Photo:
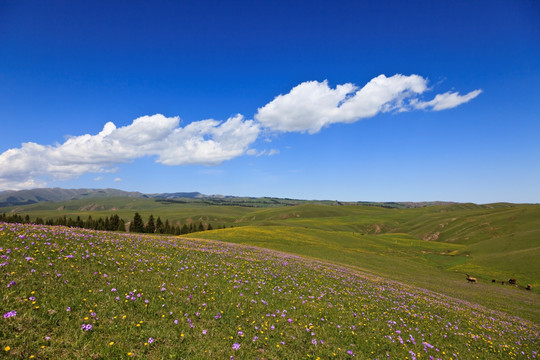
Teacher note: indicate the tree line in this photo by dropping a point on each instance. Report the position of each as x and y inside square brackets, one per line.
[114, 223]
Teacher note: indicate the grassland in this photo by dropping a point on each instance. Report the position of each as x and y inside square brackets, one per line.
[73, 293]
[430, 247]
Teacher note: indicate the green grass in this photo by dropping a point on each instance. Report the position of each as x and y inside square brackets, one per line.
[431, 265]
[157, 297]
[427, 247]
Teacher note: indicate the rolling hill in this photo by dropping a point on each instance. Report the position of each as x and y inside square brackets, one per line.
[425, 246]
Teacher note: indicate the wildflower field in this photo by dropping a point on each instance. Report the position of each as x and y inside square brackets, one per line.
[74, 293]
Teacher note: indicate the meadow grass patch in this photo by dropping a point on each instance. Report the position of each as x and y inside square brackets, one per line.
[88, 294]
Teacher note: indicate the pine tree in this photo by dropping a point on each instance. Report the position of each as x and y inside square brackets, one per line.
[113, 222]
[159, 226]
[89, 223]
[137, 224]
[184, 229]
[150, 226]
[100, 224]
[121, 225]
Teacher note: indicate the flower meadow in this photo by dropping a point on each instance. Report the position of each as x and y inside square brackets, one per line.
[74, 293]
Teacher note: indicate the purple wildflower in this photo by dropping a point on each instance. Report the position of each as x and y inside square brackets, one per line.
[236, 346]
[10, 314]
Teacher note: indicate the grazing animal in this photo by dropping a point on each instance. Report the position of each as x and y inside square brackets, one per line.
[470, 279]
[512, 281]
[493, 280]
[529, 287]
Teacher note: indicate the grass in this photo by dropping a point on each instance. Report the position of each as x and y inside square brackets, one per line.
[430, 265]
[86, 294]
[428, 247]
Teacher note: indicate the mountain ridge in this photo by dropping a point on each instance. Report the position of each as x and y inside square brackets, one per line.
[34, 196]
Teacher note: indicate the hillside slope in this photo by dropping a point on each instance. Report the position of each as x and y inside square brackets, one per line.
[75, 293]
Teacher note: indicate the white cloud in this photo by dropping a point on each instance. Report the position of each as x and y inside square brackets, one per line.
[207, 142]
[447, 100]
[308, 107]
[312, 105]
[98, 178]
[255, 152]
[117, 179]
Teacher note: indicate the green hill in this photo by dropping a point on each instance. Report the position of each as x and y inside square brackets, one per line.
[429, 246]
[85, 294]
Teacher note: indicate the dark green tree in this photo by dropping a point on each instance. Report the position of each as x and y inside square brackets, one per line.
[167, 227]
[159, 226]
[151, 225]
[121, 225]
[89, 223]
[99, 225]
[137, 224]
[184, 229]
[113, 222]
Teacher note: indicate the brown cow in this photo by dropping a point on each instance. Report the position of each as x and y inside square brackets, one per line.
[470, 279]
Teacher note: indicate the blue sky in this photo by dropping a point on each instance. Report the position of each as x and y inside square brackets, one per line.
[346, 100]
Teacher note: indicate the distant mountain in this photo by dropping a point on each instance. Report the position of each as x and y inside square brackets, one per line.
[189, 195]
[27, 197]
